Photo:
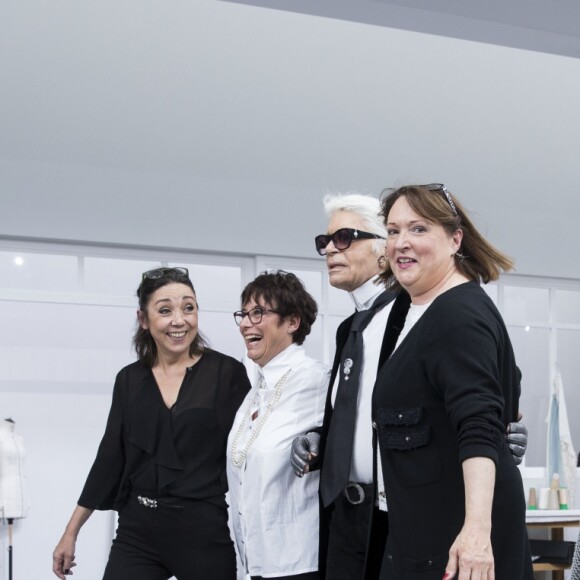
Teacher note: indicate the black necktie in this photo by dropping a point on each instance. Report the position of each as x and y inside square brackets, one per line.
[339, 442]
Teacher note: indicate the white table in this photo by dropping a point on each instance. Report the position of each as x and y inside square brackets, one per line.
[556, 521]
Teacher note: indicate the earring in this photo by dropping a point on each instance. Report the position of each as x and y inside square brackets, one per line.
[460, 257]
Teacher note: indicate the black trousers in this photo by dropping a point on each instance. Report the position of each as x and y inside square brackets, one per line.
[350, 554]
[183, 538]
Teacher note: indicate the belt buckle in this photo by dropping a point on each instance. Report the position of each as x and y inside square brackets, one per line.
[354, 493]
[147, 502]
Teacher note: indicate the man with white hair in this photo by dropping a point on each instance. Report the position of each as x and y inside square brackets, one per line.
[354, 248]
[351, 487]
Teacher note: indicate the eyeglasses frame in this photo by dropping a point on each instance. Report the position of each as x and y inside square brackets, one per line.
[242, 314]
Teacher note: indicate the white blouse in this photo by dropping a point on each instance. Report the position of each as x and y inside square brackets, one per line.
[275, 513]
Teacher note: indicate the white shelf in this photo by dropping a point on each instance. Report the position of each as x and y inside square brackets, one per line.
[540, 516]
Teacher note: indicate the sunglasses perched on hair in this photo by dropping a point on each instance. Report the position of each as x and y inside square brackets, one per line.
[160, 272]
[255, 315]
[440, 187]
[342, 239]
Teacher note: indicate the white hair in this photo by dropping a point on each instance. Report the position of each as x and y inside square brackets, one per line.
[366, 207]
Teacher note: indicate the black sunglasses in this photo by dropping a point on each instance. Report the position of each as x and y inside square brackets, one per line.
[160, 272]
[342, 239]
[436, 187]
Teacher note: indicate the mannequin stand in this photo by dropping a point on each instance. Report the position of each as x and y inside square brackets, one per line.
[10, 528]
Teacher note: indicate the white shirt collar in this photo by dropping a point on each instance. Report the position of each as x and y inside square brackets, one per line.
[280, 364]
[364, 296]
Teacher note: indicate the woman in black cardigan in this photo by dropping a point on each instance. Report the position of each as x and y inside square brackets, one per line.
[161, 462]
[443, 400]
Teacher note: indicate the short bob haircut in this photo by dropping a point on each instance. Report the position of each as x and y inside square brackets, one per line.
[143, 342]
[366, 207]
[476, 259]
[284, 292]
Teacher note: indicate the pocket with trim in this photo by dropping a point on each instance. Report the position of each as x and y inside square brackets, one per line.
[407, 445]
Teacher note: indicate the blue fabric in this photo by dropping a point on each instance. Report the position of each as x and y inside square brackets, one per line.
[554, 455]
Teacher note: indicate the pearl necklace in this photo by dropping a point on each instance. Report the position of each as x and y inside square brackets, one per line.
[239, 457]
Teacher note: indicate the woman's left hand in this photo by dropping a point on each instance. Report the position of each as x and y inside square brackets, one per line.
[471, 556]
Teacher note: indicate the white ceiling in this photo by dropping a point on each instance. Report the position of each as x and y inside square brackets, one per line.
[542, 25]
[218, 126]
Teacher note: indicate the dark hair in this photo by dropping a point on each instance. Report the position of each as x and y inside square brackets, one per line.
[286, 293]
[476, 259]
[143, 342]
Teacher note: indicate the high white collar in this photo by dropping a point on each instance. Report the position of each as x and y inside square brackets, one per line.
[365, 295]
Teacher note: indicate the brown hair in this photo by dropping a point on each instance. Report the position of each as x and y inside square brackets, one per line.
[284, 292]
[477, 259]
[143, 342]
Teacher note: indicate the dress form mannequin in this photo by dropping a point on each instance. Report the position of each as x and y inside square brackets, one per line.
[13, 495]
[13, 498]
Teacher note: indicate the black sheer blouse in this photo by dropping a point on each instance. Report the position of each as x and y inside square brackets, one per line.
[178, 451]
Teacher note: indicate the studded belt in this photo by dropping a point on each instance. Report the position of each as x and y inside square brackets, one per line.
[147, 502]
[158, 502]
[355, 493]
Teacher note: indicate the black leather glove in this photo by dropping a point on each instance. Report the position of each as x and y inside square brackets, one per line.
[304, 452]
[517, 440]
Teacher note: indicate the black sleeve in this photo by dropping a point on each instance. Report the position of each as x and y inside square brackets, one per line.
[105, 475]
[234, 387]
[465, 367]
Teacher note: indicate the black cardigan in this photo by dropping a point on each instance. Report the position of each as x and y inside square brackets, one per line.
[447, 394]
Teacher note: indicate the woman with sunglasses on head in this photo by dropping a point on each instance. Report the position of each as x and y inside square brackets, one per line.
[274, 513]
[161, 462]
[444, 398]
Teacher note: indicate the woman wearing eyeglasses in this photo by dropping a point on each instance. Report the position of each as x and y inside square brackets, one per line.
[444, 398]
[274, 513]
[161, 462]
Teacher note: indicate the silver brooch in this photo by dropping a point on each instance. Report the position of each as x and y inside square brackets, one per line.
[147, 501]
[347, 365]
